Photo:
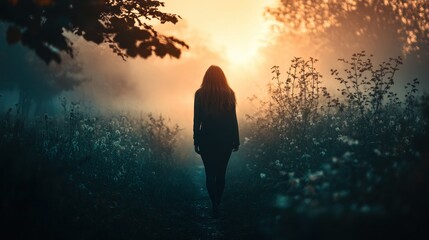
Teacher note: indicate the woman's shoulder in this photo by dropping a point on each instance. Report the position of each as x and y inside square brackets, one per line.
[198, 92]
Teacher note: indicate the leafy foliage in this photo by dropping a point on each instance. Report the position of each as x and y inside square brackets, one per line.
[293, 119]
[328, 162]
[313, 165]
[123, 25]
[102, 174]
[366, 87]
[358, 17]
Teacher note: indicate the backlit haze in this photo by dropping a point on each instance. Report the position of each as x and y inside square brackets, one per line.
[231, 34]
[236, 35]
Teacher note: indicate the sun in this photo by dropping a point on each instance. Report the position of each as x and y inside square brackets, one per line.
[239, 55]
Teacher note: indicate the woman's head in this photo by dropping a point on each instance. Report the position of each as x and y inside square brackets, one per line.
[214, 78]
[217, 96]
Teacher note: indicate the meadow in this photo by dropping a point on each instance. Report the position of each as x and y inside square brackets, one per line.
[312, 164]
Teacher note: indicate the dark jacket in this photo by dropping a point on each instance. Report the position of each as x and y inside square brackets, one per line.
[214, 130]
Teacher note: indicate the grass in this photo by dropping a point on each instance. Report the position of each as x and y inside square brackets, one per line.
[312, 165]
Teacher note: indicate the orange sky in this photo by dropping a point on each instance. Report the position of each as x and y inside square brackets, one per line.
[234, 28]
[232, 34]
[226, 33]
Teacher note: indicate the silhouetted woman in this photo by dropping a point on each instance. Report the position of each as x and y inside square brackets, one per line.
[215, 130]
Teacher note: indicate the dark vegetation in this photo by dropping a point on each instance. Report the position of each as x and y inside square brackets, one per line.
[89, 176]
[312, 165]
[124, 25]
[323, 167]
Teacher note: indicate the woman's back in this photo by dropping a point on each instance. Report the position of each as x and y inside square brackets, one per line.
[214, 128]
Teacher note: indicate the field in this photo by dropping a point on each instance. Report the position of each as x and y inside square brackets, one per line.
[312, 165]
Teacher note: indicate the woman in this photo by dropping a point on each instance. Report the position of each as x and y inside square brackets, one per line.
[215, 130]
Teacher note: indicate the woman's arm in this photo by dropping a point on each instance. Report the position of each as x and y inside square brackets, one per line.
[236, 137]
[197, 120]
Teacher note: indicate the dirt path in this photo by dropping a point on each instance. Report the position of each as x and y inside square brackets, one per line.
[209, 228]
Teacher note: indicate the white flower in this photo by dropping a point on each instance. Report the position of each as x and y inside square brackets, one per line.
[377, 152]
[294, 181]
[347, 155]
[282, 201]
[365, 209]
[262, 175]
[348, 140]
[315, 176]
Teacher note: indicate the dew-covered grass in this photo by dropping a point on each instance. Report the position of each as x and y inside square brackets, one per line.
[81, 175]
[313, 164]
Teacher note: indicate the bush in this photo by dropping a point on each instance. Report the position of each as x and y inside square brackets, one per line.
[81, 175]
[340, 161]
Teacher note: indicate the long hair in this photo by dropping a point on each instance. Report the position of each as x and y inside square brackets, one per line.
[216, 95]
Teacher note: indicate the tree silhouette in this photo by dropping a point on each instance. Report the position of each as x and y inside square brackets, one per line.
[347, 20]
[123, 25]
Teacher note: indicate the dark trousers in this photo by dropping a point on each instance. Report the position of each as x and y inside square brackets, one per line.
[215, 161]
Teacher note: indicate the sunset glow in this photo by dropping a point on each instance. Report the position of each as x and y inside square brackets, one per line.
[225, 119]
[236, 29]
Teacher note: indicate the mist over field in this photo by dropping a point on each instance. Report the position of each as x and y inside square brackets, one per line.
[332, 111]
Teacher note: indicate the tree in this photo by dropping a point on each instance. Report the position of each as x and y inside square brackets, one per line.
[123, 25]
[355, 18]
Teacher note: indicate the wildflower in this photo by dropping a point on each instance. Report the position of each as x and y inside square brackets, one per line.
[347, 155]
[326, 166]
[262, 175]
[246, 140]
[315, 176]
[369, 175]
[365, 209]
[377, 152]
[278, 163]
[282, 201]
[315, 142]
[116, 143]
[305, 156]
[326, 185]
[340, 194]
[294, 182]
[348, 140]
